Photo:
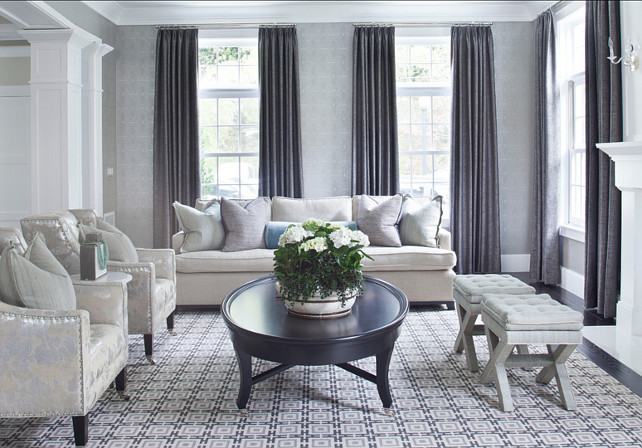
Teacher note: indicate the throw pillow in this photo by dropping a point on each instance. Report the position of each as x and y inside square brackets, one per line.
[420, 221]
[119, 245]
[37, 280]
[275, 229]
[244, 225]
[203, 230]
[378, 218]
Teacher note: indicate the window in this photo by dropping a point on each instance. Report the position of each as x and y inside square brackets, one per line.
[229, 113]
[570, 63]
[423, 113]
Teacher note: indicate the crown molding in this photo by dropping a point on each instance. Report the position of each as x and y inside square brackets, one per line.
[226, 12]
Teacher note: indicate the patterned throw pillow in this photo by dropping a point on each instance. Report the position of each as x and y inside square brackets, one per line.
[119, 245]
[244, 225]
[420, 221]
[37, 280]
[203, 230]
[378, 218]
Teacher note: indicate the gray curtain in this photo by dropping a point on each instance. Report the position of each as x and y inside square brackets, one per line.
[176, 144]
[603, 124]
[545, 257]
[375, 160]
[280, 166]
[474, 179]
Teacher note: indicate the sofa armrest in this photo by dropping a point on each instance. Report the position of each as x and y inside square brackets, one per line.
[106, 301]
[43, 353]
[177, 241]
[445, 241]
[164, 261]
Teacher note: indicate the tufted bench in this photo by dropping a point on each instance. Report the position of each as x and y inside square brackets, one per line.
[467, 292]
[531, 319]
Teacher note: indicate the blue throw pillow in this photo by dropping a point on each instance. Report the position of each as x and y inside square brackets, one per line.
[275, 229]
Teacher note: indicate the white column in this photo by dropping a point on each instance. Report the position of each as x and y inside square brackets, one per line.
[56, 119]
[92, 98]
[628, 178]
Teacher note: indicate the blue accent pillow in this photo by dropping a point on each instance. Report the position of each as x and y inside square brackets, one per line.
[275, 229]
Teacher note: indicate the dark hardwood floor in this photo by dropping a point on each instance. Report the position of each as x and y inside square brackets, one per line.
[609, 364]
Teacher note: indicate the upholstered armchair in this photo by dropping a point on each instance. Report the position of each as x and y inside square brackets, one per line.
[152, 290]
[61, 362]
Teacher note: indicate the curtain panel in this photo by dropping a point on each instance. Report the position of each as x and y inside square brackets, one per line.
[474, 175]
[280, 163]
[545, 257]
[176, 142]
[375, 160]
[603, 124]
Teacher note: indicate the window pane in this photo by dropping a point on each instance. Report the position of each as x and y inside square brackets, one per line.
[228, 139]
[250, 170]
[420, 111]
[579, 130]
[440, 53]
[207, 112]
[228, 111]
[402, 54]
[249, 56]
[402, 73]
[228, 74]
[249, 139]
[440, 73]
[208, 139]
[420, 53]
[404, 168]
[207, 76]
[404, 138]
[579, 94]
[403, 109]
[208, 170]
[420, 73]
[249, 74]
[441, 109]
[228, 55]
[249, 111]
[441, 138]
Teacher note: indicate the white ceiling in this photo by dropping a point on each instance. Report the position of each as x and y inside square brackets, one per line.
[212, 12]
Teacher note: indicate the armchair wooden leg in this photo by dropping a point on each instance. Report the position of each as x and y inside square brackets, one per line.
[81, 429]
[121, 384]
[149, 343]
[170, 324]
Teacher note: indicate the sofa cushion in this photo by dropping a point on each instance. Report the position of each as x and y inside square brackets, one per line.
[275, 229]
[420, 220]
[37, 280]
[378, 218]
[255, 260]
[203, 229]
[298, 210]
[120, 246]
[408, 258]
[244, 224]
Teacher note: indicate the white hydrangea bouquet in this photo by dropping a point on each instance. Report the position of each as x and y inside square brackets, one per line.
[320, 258]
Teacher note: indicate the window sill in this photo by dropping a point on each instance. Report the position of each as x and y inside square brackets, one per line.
[572, 232]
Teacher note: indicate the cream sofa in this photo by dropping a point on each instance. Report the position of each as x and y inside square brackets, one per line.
[424, 274]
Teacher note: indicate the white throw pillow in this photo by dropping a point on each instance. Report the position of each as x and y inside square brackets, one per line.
[420, 221]
[37, 280]
[203, 230]
[119, 245]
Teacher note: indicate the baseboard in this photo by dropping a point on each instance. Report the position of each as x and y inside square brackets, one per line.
[572, 282]
[516, 262]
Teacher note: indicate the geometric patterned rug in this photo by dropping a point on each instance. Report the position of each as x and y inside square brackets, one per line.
[188, 400]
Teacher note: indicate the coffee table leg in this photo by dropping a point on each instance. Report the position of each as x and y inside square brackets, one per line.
[245, 367]
[383, 363]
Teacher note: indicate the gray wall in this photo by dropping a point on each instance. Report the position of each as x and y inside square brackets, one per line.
[325, 56]
[91, 21]
[515, 97]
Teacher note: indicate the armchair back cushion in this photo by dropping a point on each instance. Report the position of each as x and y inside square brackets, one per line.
[37, 280]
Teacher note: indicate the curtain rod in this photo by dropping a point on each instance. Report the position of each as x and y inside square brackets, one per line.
[226, 26]
[425, 25]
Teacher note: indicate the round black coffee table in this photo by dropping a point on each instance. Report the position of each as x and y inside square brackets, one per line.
[260, 327]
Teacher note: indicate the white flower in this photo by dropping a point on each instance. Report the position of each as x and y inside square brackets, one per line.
[317, 244]
[360, 238]
[294, 234]
[315, 223]
[341, 237]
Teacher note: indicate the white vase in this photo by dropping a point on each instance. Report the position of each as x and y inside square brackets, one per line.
[318, 308]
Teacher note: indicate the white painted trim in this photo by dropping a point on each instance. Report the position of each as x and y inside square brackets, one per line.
[15, 91]
[516, 262]
[572, 282]
[573, 233]
[22, 51]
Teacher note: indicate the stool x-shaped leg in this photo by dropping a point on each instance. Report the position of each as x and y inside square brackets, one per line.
[464, 341]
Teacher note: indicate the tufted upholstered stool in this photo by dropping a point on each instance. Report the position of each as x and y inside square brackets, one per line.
[467, 292]
[532, 319]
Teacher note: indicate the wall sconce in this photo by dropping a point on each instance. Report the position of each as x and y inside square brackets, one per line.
[629, 59]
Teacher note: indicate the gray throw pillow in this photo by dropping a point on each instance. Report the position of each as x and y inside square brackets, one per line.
[119, 245]
[378, 218]
[420, 221]
[203, 230]
[244, 225]
[37, 280]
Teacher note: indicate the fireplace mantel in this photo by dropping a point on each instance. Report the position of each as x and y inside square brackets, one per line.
[627, 157]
